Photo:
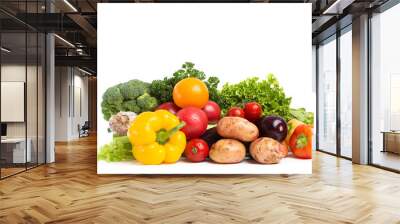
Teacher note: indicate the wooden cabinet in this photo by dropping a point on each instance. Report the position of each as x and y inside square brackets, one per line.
[391, 142]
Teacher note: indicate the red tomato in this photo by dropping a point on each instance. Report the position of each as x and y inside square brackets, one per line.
[196, 150]
[213, 111]
[252, 111]
[236, 112]
[196, 121]
[170, 106]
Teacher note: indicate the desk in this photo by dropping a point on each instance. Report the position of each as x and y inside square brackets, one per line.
[391, 141]
[15, 148]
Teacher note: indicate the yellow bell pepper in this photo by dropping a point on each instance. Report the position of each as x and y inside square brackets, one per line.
[156, 139]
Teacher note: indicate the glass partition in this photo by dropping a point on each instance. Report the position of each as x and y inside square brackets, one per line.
[32, 97]
[22, 76]
[14, 153]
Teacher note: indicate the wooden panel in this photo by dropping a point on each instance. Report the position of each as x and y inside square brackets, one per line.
[92, 101]
[392, 142]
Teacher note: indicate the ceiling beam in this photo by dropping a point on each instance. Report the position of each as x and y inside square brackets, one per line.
[84, 24]
[337, 7]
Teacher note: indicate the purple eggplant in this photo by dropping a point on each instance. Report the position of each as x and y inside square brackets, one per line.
[273, 127]
[211, 136]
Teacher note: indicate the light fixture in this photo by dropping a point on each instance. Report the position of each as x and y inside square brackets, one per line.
[70, 5]
[5, 50]
[65, 41]
[84, 71]
[79, 51]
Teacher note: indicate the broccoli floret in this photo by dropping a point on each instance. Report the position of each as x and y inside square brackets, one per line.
[131, 105]
[113, 96]
[108, 110]
[130, 96]
[146, 102]
[134, 88]
[162, 90]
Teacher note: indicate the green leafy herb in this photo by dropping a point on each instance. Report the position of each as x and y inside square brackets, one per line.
[119, 149]
[268, 93]
[162, 89]
[302, 115]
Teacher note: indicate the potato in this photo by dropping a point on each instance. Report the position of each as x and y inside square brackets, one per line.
[227, 151]
[284, 149]
[267, 150]
[237, 128]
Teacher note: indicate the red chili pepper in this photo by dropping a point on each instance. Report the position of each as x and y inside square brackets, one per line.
[300, 142]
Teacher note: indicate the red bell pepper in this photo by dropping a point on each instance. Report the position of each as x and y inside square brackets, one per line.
[300, 142]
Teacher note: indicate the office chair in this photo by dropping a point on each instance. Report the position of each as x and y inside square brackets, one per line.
[84, 130]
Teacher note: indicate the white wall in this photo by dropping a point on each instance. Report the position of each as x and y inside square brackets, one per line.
[61, 103]
[70, 83]
[79, 117]
[13, 73]
[16, 73]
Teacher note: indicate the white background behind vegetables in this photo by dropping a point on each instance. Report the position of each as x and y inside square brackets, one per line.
[231, 41]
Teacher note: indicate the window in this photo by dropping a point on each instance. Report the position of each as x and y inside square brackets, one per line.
[385, 89]
[346, 93]
[327, 96]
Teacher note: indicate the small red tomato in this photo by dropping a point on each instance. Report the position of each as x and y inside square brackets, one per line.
[196, 150]
[170, 106]
[213, 111]
[252, 111]
[236, 112]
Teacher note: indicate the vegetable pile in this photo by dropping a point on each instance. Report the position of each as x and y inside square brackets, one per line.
[186, 114]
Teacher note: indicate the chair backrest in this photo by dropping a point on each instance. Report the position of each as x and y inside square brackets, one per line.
[86, 125]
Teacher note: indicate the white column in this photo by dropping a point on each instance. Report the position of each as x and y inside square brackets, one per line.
[50, 92]
[360, 90]
[50, 109]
